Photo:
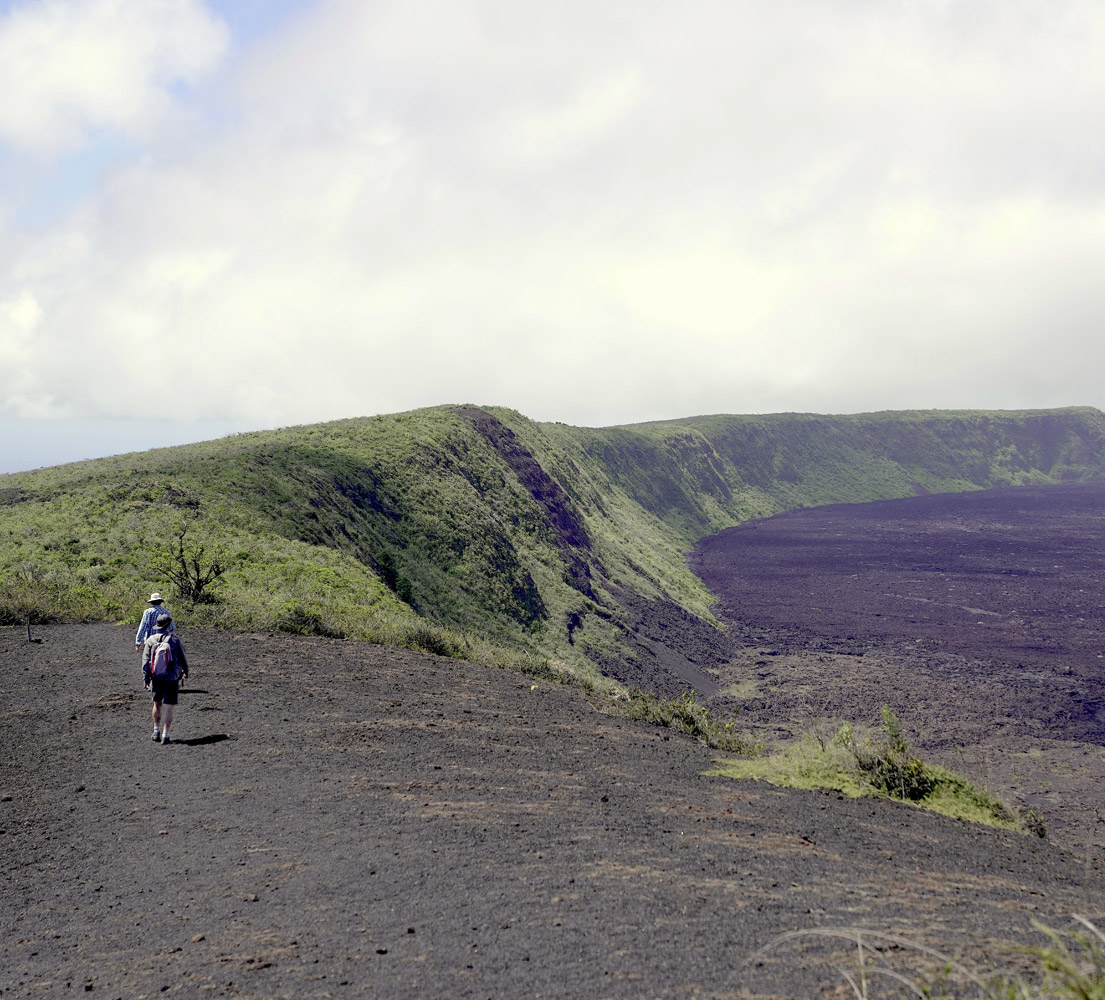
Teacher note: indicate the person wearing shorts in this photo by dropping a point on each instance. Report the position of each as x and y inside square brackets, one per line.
[165, 690]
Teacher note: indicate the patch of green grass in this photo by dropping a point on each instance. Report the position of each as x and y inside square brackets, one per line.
[368, 527]
[805, 764]
[744, 690]
[686, 714]
[880, 766]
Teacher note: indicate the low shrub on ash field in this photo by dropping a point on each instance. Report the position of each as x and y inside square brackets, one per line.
[881, 765]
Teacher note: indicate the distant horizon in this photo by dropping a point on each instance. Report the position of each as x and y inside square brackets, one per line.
[48, 443]
[31, 445]
[293, 210]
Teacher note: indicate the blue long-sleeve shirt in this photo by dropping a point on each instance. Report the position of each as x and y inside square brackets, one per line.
[149, 622]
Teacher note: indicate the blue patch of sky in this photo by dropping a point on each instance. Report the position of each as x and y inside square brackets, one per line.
[42, 194]
[58, 187]
[36, 444]
[248, 19]
[251, 20]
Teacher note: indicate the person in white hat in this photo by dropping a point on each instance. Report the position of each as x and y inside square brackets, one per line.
[149, 620]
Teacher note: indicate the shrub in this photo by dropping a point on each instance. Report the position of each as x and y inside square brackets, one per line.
[686, 715]
[890, 767]
[29, 597]
[299, 620]
[388, 571]
[431, 639]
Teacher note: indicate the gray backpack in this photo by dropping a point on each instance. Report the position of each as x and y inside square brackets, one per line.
[163, 665]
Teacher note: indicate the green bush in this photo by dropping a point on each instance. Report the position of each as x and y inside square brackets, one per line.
[686, 715]
[880, 766]
[431, 639]
[891, 768]
[31, 596]
[299, 620]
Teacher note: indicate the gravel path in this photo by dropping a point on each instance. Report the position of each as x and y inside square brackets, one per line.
[347, 820]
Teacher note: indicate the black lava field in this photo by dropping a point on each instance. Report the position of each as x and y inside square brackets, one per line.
[978, 617]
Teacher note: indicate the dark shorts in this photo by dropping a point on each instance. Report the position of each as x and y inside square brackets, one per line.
[165, 691]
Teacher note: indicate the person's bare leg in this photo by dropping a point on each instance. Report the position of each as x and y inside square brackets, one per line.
[166, 720]
[157, 715]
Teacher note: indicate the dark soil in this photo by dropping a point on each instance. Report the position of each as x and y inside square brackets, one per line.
[346, 820]
[667, 651]
[978, 617]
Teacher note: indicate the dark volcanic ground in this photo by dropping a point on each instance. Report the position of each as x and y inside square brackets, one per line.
[346, 820]
[978, 617]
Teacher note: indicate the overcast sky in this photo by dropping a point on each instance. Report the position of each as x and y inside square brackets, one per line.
[244, 214]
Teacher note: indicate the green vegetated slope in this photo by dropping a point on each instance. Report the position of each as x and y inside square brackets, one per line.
[452, 527]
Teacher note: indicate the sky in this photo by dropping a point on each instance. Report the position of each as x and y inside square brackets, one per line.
[239, 215]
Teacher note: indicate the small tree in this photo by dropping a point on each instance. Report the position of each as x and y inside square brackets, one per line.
[190, 568]
[28, 598]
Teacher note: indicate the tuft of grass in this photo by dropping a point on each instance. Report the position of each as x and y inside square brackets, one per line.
[298, 620]
[428, 638]
[686, 714]
[883, 767]
[1068, 965]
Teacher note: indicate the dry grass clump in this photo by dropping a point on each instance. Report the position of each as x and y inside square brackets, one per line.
[1068, 964]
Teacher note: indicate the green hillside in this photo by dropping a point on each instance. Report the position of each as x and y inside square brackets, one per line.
[467, 530]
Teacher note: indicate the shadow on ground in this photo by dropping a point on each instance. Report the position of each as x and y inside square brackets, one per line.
[372, 821]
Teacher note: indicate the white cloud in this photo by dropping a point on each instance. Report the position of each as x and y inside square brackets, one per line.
[593, 213]
[71, 67]
[21, 390]
[543, 137]
[701, 293]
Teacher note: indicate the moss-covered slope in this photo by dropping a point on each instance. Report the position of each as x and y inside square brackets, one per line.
[536, 536]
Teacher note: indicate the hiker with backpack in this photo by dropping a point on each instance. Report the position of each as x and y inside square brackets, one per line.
[163, 666]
